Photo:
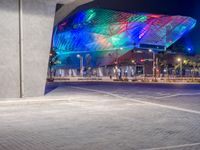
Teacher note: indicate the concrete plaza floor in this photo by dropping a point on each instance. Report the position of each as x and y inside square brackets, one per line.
[104, 116]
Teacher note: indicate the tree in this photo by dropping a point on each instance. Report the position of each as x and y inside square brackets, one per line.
[52, 61]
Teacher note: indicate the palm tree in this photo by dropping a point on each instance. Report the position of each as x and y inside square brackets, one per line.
[162, 62]
[52, 61]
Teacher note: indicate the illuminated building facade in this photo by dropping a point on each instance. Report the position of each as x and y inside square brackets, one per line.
[101, 36]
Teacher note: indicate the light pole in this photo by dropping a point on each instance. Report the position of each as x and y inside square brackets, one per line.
[118, 71]
[88, 64]
[181, 66]
[134, 63]
[81, 64]
[154, 63]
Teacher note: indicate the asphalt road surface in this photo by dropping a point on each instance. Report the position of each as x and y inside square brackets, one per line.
[184, 96]
[104, 116]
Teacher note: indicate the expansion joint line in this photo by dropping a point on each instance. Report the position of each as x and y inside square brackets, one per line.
[21, 82]
[139, 101]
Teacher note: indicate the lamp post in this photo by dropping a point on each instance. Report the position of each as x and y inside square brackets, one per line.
[154, 63]
[181, 66]
[81, 64]
[134, 63]
[118, 71]
[88, 64]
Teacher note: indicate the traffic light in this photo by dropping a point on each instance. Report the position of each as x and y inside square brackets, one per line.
[142, 60]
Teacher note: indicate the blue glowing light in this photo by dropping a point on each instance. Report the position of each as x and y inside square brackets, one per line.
[100, 32]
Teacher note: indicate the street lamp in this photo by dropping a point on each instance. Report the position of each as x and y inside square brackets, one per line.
[117, 62]
[154, 63]
[133, 61]
[133, 72]
[88, 59]
[181, 65]
[179, 59]
[185, 61]
[81, 64]
[189, 49]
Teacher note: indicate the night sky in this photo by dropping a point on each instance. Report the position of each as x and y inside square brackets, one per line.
[168, 7]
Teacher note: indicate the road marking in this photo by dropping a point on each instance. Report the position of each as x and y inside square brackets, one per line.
[35, 99]
[139, 101]
[176, 95]
[107, 93]
[175, 146]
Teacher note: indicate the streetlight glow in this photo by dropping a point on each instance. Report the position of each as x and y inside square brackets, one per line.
[78, 55]
[179, 59]
[181, 66]
[81, 64]
[189, 49]
[133, 61]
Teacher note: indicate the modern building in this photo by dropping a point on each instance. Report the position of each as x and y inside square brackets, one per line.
[26, 33]
[97, 37]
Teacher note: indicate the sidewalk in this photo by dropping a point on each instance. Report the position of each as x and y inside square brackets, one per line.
[163, 80]
[86, 120]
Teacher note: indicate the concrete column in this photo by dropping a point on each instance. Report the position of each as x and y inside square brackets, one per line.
[9, 49]
[38, 18]
[38, 21]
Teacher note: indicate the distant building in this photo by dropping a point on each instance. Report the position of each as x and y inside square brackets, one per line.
[104, 37]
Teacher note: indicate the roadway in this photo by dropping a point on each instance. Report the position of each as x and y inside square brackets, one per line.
[104, 116]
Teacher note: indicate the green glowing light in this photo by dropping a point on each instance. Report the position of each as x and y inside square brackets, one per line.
[90, 15]
[138, 18]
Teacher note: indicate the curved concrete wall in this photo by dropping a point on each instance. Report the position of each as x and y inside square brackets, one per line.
[9, 49]
[38, 20]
